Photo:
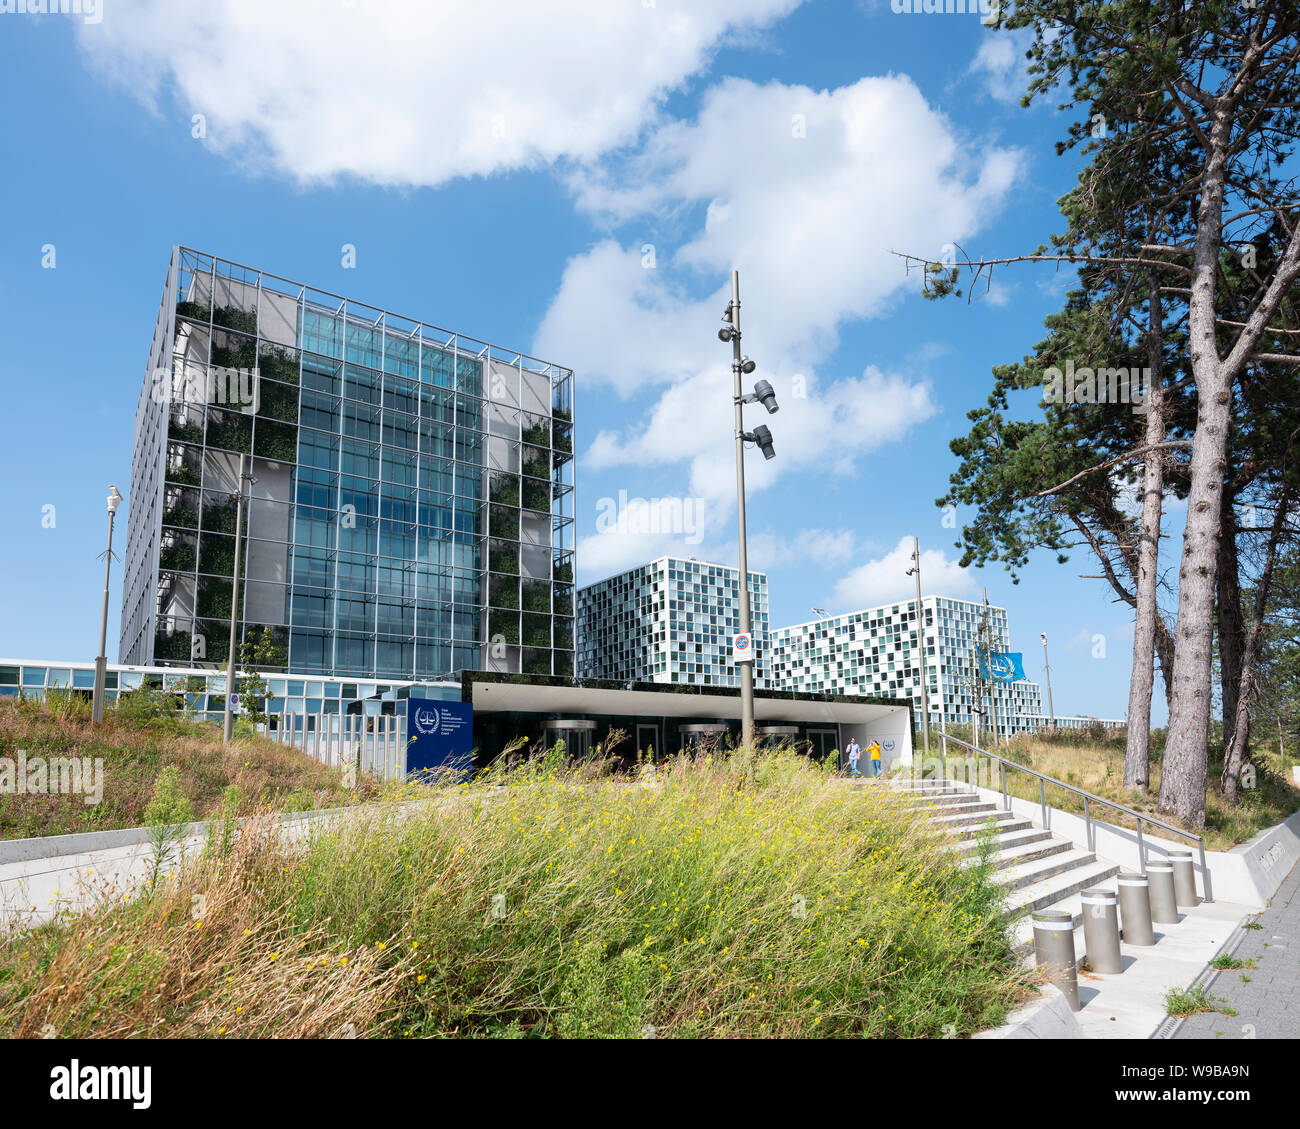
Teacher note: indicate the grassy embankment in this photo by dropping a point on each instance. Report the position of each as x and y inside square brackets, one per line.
[737, 896]
[134, 751]
[1095, 762]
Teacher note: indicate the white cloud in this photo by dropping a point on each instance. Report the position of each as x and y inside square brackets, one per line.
[818, 548]
[999, 61]
[837, 427]
[408, 92]
[805, 192]
[885, 578]
[1079, 641]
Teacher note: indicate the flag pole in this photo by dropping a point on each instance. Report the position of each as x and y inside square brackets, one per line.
[988, 658]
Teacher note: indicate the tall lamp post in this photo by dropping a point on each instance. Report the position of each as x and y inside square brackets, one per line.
[101, 660]
[915, 570]
[1051, 711]
[762, 437]
[228, 714]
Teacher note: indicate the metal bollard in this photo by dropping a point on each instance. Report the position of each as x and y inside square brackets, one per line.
[1135, 909]
[1054, 951]
[1101, 931]
[1164, 905]
[1184, 878]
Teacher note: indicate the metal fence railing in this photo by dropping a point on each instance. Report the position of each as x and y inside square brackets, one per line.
[1089, 799]
[376, 745]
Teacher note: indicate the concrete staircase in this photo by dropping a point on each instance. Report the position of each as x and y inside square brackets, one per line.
[1037, 868]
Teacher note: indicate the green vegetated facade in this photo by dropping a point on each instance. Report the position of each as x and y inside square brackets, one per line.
[400, 545]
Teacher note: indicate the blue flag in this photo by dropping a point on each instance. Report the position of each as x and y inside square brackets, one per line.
[1007, 666]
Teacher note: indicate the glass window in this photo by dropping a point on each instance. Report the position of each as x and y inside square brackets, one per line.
[33, 676]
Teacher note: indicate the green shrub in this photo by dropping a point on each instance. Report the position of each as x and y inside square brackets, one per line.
[185, 517]
[278, 364]
[231, 431]
[277, 401]
[503, 559]
[537, 495]
[503, 523]
[277, 441]
[504, 489]
[177, 558]
[537, 631]
[233, 317]
[185, 431]
[503, 624]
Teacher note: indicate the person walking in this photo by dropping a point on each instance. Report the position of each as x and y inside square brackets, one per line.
[854, 751]
[873, 753]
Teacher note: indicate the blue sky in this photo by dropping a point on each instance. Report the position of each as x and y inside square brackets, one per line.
[576, 180]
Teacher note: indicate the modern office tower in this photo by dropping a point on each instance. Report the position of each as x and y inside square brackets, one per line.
[410, 509]
[877, 653]
[670, 620]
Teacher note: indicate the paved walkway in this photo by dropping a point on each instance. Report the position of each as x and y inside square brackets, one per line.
[1268, 1003]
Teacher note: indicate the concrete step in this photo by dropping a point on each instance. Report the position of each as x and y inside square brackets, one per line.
[913, 787]
[939, 800]
[975, 816]
[937, 810]
[1005, 827]
[1021, 853]
[1006, 841]
[1050, 891]
[1033, 871]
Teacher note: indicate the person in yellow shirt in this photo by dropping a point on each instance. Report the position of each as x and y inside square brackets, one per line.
[873, 755]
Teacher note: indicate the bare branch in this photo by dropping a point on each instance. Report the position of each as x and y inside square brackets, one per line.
[1137, 452]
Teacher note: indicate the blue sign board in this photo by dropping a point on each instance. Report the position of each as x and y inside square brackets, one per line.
[439, 737]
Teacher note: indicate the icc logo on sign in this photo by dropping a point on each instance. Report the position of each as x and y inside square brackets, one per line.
[426, 722]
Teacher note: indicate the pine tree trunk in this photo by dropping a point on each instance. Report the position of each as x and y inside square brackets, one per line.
[1236, 751]
[1231, 628]
[1182, 777]
[1137, 752]
[1165, 656]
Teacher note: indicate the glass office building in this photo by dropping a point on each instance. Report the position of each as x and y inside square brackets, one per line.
[878, 653]
[670, 620]
[410, 510]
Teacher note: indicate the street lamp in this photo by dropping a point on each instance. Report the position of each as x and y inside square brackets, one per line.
[101, 660]
[915, 570]
[761, 437]
[1051, 711]
[228, 714]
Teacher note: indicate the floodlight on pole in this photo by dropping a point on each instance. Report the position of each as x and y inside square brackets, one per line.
[762, 436]
[1047, 669]
[915, 570]
[101, 660]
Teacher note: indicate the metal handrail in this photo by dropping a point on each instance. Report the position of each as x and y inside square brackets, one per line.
[1089, 798]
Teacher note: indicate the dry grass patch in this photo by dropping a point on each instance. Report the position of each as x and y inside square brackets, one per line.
[134, 752]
